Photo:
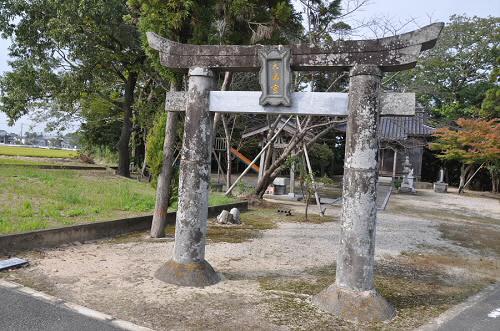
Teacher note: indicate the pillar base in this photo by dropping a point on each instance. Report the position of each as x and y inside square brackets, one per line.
[355, 306]
[196, 274]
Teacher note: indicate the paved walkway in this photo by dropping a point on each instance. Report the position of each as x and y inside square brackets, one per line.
[21, 312]
[479, 313]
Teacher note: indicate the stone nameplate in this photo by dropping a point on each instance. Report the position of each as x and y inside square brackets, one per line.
[275, 77]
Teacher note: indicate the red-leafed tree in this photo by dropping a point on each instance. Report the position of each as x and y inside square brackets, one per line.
[473, 143]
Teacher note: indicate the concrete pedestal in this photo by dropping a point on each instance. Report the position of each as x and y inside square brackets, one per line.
[356, 306]
[441, 187]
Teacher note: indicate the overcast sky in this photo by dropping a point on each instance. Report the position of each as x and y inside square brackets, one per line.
[397, 10]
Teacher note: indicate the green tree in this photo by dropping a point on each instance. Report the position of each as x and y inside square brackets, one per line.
[453, 77]
[322, 155]
[490, 107]
[67, 51]
[474, 142]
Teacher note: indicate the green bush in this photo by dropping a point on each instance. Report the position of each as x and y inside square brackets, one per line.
[99, 154]
[154, 157]
[325, 180]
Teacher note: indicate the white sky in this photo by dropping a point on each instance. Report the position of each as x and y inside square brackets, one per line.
[397, 10]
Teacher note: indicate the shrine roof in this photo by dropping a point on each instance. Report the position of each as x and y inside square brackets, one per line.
[396, 128]
[403, 127]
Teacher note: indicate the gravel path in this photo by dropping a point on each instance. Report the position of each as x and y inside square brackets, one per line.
[117, 278]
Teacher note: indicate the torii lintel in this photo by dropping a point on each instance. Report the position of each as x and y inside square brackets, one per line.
[395, 53]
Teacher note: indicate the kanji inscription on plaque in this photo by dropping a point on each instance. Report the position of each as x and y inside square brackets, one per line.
[275, 77]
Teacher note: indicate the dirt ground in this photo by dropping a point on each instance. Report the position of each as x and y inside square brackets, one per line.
[433, 251]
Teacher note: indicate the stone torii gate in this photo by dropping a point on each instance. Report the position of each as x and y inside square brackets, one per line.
[353, 296]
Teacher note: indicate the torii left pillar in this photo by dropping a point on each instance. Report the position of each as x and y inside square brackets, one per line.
[188, 266]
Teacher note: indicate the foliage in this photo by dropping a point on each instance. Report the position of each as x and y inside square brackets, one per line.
[325, 180]
[397, 183]
[476, 141]
[156, 137]
[322, 155]
[490, 107]
[243, 189]
[66, 52]
[101, 128]
[453, 77]
[63, 50]
[103, 155]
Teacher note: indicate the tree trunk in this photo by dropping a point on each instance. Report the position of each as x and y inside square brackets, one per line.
[165, 178]
[307, 203]
[228, 79]
[228, 151]
[123, 143]
[144, 163]
[274, 169]
[464, 176]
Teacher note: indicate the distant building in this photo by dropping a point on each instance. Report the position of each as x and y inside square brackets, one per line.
[8, 138]
[400, 137]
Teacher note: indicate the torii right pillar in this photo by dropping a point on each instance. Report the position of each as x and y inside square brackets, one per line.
[353, 296]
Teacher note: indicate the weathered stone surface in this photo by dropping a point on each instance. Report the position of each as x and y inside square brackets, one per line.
[175, 101]
[303, 103]
[194, 180]
[355, 306]
[397, 104]
[440, 187]
[353, 296]
[235, 212]
[408, 184]
[359, 209]
[225, 218]
[390, 54]
[195, 274]
[275, 76]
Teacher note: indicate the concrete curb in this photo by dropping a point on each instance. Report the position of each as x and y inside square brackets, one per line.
[91, 231]
[96, 315]
[456, 310]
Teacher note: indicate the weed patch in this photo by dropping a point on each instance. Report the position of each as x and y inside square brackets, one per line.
[33, 199]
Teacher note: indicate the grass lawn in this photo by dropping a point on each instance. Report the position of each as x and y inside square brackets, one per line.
[33, 199]
[12, 161]
[37, 152]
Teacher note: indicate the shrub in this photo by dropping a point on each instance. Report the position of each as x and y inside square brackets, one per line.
[154, 155]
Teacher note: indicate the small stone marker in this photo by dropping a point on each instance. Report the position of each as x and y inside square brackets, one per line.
[440, 186]
[225, 217]
[408, 184]
[235, 212]
[12, 263]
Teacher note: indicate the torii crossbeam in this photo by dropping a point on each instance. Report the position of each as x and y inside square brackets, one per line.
[353, 296]
[389, 54]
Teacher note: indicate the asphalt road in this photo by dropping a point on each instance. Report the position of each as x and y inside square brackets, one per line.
[20, 312]
[478, 317]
